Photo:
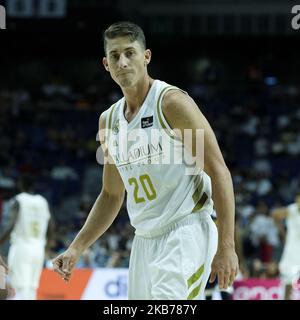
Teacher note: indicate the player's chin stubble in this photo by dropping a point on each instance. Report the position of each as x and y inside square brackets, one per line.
[125, 83]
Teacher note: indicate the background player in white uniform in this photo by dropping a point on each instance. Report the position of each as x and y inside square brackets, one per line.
[175, 239]
[289, 265]
[30, 217]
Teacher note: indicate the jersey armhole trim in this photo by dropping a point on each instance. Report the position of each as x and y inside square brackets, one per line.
[162, 120]
[109, 122]
[199, 196]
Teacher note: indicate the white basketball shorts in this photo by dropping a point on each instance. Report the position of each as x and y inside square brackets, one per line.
[25, 264]
[174, 262]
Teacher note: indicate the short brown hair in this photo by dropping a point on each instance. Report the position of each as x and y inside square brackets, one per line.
[124, 29]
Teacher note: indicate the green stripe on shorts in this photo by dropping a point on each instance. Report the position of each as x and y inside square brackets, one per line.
[194, 293]
[196, 276]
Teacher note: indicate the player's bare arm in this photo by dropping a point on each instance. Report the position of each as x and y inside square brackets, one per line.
[101, 216]
[6, 290]
[50, 234]
[181, 112]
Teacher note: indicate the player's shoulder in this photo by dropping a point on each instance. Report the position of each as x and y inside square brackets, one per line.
[177, 105]
[173, 93]
[293, 207]
[176, 99]
[20, 197]
[102, 119]
[38, 197]
[105, 115]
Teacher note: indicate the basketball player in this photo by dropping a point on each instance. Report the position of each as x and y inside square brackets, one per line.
[289, 265]
[176, 242]
[28, 228]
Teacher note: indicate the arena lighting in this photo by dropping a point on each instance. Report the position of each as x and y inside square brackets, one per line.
[37, 9]
[270, 81]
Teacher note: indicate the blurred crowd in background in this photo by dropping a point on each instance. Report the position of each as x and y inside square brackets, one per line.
[48, 128]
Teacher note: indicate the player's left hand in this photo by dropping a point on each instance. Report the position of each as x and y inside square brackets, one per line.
[225, 266]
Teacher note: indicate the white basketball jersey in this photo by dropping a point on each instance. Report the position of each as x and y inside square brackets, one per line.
[32, 223]
[149, 157]
[292, 242]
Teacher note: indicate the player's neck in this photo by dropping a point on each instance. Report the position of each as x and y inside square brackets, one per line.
[135, 96]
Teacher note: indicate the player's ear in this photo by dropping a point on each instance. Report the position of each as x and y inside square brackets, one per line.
[105, 63]
[148, 55]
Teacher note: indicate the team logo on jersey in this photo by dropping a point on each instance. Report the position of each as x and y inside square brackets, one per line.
[116, 127]
[147, 122]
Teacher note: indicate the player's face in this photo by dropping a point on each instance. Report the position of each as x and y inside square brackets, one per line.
[126, 61]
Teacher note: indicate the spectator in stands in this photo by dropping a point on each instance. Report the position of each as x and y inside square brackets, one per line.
[264, 234]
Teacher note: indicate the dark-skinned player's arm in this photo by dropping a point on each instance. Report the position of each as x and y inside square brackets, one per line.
[101, 216]
[5, 288]
[13, 217]
[181, 112]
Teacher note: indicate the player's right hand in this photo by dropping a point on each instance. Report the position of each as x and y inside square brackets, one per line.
[65, 263]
